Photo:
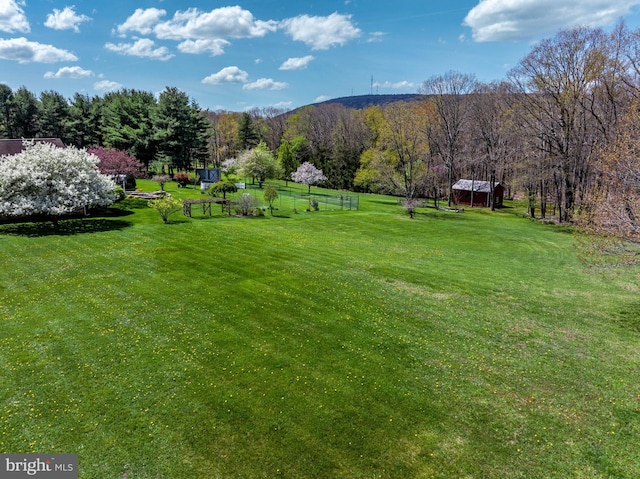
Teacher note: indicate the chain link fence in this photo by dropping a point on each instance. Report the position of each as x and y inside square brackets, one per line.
[302, 200]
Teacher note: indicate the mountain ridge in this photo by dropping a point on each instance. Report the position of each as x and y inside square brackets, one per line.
[358, 102]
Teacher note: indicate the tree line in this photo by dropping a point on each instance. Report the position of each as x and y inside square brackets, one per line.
[544, 131]
[170, 129]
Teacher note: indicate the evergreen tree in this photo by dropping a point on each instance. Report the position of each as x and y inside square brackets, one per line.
[6, 112]
[247, 134]
[180, 129]
[84, 127]
[26, 114]
[128, 123]
[54, 116]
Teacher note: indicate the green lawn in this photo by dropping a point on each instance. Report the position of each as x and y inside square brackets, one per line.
[330, 344]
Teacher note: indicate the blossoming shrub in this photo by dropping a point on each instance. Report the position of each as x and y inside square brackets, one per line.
[182, 179]
[166, 206]
[47, 180]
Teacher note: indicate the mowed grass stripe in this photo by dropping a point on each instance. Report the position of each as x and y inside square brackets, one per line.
[345, 344]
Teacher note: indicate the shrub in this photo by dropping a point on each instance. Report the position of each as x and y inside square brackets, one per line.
[246, 204]
[222, 186]
[410, 206]
[182, 179]
[161, 180]
[119, 193]
[166, 206]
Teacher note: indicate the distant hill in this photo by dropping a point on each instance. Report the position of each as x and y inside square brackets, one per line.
[363, 101]
[360, 102]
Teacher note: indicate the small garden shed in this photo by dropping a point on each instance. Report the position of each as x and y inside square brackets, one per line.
[208, 176]
[462, 193]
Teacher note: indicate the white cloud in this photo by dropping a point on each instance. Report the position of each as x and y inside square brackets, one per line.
[24, 51]
[225, 22]
[66, 19]
[296, 63]
[322, 98]
[233, 74]
[227, 75]
[508, 20]
[213, 46]
[283, 105]
[265, 84]
[401, 85]
[142, 21]
[70, 72]
[143, 47]
[106, 85]
[375, 37]
[12, 17]
[321, 33]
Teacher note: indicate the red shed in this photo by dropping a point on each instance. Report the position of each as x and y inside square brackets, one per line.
[481, 190]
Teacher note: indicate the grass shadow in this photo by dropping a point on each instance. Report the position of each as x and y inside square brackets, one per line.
[69, 227]
[383, 201]
[432, 213]
[629, 318]
[111, 212]
[179, 221]
[131, 204]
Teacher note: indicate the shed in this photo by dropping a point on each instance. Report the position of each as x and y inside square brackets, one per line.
[15, 146]
[481, 191]
[208, 176]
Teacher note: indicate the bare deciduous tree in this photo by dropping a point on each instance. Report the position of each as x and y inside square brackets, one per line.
[490, 122]
[554, 84]
[448, 93]
[612, 215]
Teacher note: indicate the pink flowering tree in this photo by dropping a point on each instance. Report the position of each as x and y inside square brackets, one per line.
[307, 174]
[46, 180]
[117, 164]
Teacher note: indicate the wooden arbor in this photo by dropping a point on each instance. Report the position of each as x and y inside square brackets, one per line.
[206, 205]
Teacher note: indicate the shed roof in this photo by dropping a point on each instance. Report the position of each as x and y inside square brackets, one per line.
[478, 186]
[15, 146]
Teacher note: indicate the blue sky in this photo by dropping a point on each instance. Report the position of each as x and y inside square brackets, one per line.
[281, 53]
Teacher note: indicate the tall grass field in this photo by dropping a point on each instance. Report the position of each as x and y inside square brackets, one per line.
[316, 344]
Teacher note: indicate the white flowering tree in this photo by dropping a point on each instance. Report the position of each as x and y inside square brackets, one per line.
[47, 180]
[307, 174]
[229, 166]
[259, 163]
